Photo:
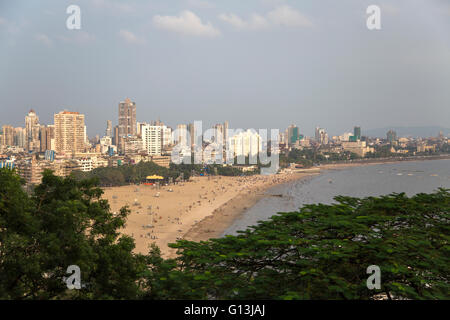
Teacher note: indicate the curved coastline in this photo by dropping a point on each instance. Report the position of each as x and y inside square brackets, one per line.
[214, 225]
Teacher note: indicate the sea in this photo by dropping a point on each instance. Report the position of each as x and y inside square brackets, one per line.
[410, 177]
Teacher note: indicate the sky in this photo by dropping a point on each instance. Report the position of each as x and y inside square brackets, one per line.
[256, 63]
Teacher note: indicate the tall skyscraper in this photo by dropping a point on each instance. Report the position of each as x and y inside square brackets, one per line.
[69, 132]
[219, 133]
[47, 138]
[225, 132]
[181, 136]
[20, 137]
[127, 118]
[321, 136]
[167, 136]
[31, 123]
[43, 138]
[116, 136]
[293, 134]
[357, 133]
[109, 129]
[192, 133]
[8, 136]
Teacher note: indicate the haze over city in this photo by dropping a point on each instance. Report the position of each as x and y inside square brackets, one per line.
[258, 64]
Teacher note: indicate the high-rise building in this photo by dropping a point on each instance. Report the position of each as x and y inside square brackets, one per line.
[321, 136]
[225, 132]
[152, 139]
[219, 133]
[116, 136]
[43, 138]
[32, 130]
[191, 130]
[20, 137]
[35, 144]
[357, 133]
[109, 129]
[8, 136]
[181, 136]
[47, 138]
[293, 134]
[391, 136]
[127, 118]
[167, 136]
[69, 132]
[247, 143]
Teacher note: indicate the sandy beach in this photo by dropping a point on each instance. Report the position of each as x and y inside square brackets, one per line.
[196, 210]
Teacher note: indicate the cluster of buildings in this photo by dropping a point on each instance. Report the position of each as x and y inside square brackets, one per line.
[64, 145]
[360, 145]
[353, 142]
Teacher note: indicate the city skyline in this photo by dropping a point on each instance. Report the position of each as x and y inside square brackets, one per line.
[302, 65]
[101, 131]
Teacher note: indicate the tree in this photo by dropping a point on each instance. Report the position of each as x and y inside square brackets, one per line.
[321, 252]
[131, 174]
[63, 223]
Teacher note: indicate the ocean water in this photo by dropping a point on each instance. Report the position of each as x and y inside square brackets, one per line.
[374, 180]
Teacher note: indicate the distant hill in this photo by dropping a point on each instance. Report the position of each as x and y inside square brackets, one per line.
[432, 131]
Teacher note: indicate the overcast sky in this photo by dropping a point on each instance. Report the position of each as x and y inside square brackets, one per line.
[255, 63]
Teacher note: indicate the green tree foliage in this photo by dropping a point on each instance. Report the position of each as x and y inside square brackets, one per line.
[63, 223]
[318, 252]
[321, 252]
[129, 174]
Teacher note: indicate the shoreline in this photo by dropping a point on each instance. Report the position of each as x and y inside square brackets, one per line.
[202, 208]
[220, 219]
[223, 217]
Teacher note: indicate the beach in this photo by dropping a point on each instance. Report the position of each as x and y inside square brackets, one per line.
[198, 209]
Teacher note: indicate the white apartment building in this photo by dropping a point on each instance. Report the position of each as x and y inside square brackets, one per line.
[181, 135]
[152, 139]
[246, 143]
[167, 136]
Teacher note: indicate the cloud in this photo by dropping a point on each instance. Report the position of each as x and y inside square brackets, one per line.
[130, 37]
[255, 22]
[284, 16]
[44, 39]
[289, 17]
[11, 27]
[187, 23]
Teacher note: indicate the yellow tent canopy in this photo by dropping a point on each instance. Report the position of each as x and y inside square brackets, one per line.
[155, 177]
